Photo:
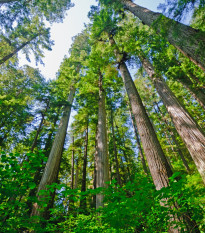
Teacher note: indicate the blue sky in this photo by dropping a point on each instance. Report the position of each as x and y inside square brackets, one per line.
[73, 24]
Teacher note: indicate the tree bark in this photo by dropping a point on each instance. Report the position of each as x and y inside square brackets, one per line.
[138, 144]
[115, 150]
[83, 187]
[102, 167]
[71, 202]
[72, 165]
[186, 165]
[51, 170]
[95, 159]
[76, 174]
[189, 41]
[186, 127]
[159, 167]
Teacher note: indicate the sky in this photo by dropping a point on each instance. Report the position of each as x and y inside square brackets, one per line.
[62, 34]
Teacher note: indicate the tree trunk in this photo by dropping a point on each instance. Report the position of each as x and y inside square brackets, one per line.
[72, 165]
[102, 167]
[159, 168]
[83, 187]
[71, 202]
[115, 149]
[186, 127]
[50, 174]
[189, 41]
[76, 174]
[94, 173]
[138, 144]
[7, 57]
[186, 165]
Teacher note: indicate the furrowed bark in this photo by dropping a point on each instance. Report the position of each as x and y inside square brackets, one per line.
[83, 187]
[115, 150]
[158, 165]
[138, 144]
[186, 165]
[71, 202]
[159, 168]
[186, 127]
[102, 164]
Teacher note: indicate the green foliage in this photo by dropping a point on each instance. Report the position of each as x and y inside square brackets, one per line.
[125, 210]
[17, 179]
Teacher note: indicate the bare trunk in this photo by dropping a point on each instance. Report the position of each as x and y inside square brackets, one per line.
[102, 167]
[186, 39]
[138, 144]
[94, 173]
[76, 174]
[83, 187]
[175, 141]
[159, 168]
[72, 165]
[115, 150]
[71, 202]
[50, 174]
[186, 127]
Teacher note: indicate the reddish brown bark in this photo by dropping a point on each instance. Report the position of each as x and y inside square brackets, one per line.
[186, 127]
[102, 164]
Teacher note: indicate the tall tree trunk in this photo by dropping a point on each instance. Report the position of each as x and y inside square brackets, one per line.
[102, 167]
[77, 174]
[186, 165]
[50, 174]
[72, 165]
[7, 57]
[189, 41]
[95, 159]
[138, 144]
[83, 187]
[71, 201]
[186, 127]
[115, 149]
[159, 167]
